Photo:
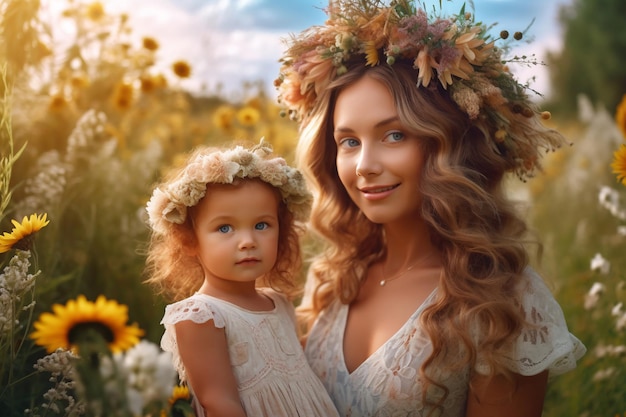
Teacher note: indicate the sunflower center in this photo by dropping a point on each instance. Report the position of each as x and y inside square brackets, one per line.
[88, 330]
[25, 243]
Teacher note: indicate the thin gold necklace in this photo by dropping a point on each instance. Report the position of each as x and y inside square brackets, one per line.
[384, 280]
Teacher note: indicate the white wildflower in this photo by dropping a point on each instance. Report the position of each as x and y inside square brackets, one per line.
[620, 323]
[15, 283]
[150, 374]
[610, 200]
[593, 296]
[603, 374]
[89, 131]
[599, 263]
[45, 189]
[60, 365]
[621, 230]
[617, 309]
[602, 350]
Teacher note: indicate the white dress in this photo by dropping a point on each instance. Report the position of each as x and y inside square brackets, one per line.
[387, 383]
[272, 374]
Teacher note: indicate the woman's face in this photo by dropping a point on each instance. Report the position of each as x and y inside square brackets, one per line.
[378, 160]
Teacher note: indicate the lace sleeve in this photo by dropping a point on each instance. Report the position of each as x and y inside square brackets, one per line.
[194, 309]
[546, 344]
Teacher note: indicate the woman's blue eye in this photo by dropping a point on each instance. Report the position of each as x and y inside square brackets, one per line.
[349, 142]
[395, 136]
[261, 226]
[224, 228]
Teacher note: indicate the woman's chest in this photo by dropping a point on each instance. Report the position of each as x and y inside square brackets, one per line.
[379, 314]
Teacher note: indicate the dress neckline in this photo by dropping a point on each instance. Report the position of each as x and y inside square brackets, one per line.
[345, 309]
[267, 294]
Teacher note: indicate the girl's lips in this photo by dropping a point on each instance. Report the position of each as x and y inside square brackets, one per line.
[247, 261]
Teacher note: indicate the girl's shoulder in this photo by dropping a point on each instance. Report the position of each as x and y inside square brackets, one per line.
[198, 308]
[280, 300]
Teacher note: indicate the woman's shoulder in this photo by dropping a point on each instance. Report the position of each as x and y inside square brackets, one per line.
[534, 287]
[545, 342]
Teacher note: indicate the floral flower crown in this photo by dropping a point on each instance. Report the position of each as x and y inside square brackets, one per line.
[455, 51]
[170, 201]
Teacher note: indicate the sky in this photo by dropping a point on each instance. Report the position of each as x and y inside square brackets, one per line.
[229, 42]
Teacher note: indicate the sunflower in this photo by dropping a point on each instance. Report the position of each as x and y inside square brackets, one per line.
[182, 69]
[619, 164]
[180, 392]
[57, 103]
[147, 83]
[22, 234]
[64, 328]
[150, 43]
[620, 115]
[122, 97]
[224, 116]
[180, 402]
[248, 116]
[95, 11]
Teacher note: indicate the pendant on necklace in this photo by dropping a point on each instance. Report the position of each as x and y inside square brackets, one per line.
[383, 282]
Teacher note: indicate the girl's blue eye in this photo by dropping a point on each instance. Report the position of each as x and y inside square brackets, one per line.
[261, 226]
[224, 228]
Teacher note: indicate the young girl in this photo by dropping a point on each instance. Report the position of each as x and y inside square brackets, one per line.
[226, 245]
[423, 302]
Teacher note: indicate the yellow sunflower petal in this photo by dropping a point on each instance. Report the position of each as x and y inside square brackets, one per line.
[371, 54]
[619, 164]
[620, 115]
[180, 392]
[21, 230]
[54, 330]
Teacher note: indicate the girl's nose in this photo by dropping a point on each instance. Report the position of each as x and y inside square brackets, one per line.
[246, 240]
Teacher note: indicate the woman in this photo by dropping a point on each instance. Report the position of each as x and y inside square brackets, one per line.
[423, 301]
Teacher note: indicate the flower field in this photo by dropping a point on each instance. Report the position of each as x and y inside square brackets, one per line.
[87, 130]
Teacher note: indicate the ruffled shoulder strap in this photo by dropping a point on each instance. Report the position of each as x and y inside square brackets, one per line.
[197, 308]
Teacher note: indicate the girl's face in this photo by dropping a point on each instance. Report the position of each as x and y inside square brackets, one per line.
[236, 227]
[378, 161]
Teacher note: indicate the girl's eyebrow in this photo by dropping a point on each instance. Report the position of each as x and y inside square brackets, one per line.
[383, 122]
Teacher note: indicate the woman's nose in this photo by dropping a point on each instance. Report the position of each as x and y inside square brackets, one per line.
[367, 163]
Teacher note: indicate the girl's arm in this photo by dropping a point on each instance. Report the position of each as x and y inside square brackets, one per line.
[497, 396]
[204, 352]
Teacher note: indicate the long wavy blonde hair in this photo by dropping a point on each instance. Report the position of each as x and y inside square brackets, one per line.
[482, 239]
[175, 273]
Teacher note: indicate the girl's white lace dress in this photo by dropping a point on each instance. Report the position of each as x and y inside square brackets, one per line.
[387, 383]
[273, 377]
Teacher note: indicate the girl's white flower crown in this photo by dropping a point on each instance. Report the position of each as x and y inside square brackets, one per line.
[170, 201]
[455, 51]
